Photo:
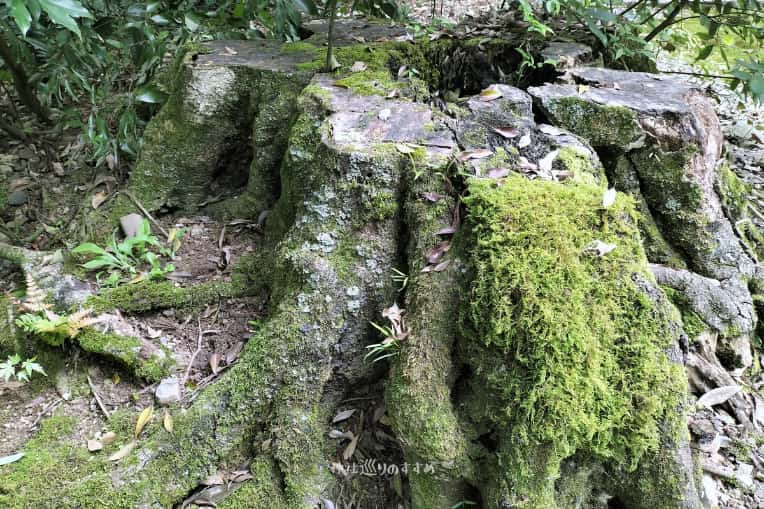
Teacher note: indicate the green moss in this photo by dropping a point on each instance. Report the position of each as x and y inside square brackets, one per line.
[733, 192]
[264, 490]
[149, 295]
[601, 125]
[56, 472]
[127, 351]
[580, 165]
[568, 351]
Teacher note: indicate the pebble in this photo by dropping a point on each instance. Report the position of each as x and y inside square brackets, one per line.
[168, 391]
[19, 197]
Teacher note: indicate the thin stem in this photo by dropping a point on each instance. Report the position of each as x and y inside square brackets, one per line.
[666, 22]
[330, 48]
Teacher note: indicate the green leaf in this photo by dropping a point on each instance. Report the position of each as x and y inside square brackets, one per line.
[89, 248]
[756, 86]
[65, 12]
[705, 52]
[21, 15]
[5, 460]
[30, 366]
[149, 94]
[99, 263]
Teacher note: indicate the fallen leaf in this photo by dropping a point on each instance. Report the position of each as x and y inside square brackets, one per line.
[5, 460]
[441, 266]
[524, 141]
[402, 71]
[143, 419]
[343, 416]
[233, 353]
[215, 363]
[474, 154]
[94, 445]
[524, 164]
[550, 130]
[98, 199]
[384, 114]
[608, 198]
[436, 253]
[432, 197]
[108, 438]
[153, 333]
[111, 161]
[337, 434]
[122, 452]
[545, 163]
[58, 169]
[598, 248]
[490, 94]
[507, 132]
[350, 449]
[358, 67]
[230, 51]
[497, 173]
[169, 426]
[582, 89]
[448, 230]
[718, 396]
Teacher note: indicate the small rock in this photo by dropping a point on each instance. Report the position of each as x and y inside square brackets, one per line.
[17, 198]
[710, 492]
[168, 391]
[130, 224]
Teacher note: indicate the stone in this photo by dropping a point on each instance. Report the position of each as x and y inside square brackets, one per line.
[18, 198]
[168, 391]
[567, 55]
[130, 224]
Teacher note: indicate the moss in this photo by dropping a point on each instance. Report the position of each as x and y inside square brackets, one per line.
[601, 125]
[568, 351]
[56, 473]
[264, 490]
[580, 165]
[149, 295]
[127, 351]
[733, 192]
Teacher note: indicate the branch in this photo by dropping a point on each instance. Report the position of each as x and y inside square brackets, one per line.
[21, 82]
[14, 131]
[666, 22]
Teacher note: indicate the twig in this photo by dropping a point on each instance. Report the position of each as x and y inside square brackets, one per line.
[46, 410]
[196, 352]
[700, 74]
[146, 212]
[98, 398]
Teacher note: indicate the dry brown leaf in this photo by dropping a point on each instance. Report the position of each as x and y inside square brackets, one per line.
[441, 266]
[240, 476]
[98, 199]
[436, 253]
[507, 132]
[94, 445]
[474, 154]
[215, 363]
[545, 163]
[122, 452]
[350, 449]
[143, 419]
[109, 438]
[550, 130]
[524, 141]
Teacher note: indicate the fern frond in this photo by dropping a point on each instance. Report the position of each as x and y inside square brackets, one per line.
[79, 320]
[34, 302]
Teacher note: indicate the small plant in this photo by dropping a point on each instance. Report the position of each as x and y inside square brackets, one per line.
[120, 261]
[38, 319]
[397, 332]
[401, 278]
[16, 368]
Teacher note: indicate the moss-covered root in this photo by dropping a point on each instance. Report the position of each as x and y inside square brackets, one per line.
[567, 349]
[143, 358]
[418, 393]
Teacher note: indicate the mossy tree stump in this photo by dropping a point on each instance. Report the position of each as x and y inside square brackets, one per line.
[538, 372]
